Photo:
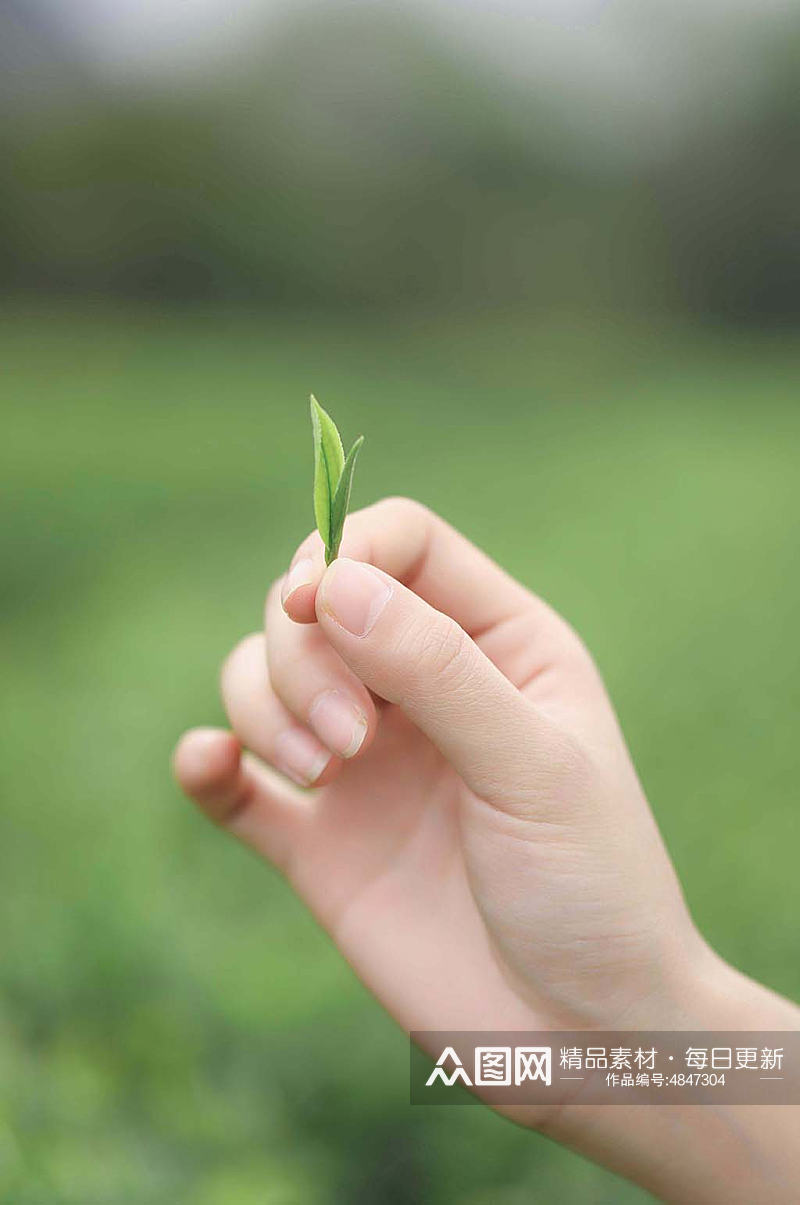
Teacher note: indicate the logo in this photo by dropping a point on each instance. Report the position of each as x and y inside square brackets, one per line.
[440, 1073]
[606, 1067]
[495, 1066]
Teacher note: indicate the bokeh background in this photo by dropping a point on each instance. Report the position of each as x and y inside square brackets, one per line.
[546, 256]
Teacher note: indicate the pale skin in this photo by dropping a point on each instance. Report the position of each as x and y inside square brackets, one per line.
[474, 837]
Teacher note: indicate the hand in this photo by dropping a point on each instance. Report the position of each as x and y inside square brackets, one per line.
[476, 840]
[476, 822]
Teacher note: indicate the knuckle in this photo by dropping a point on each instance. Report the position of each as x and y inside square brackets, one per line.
[278, 653]
[406, 509]
[248, 647]
[310, 546]
[570, 773]
[444, 652]
[273, 594]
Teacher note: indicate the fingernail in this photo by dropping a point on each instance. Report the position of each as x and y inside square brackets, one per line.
[338, 723]
[354, 595]
[300, 574]
[300, 756]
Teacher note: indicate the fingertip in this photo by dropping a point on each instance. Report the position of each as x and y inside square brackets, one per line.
[353, 594]
[205, 759]
[330, 772]
[299, 604]
[299, 587]
[344, 725]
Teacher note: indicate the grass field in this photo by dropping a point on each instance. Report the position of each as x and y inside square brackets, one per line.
[173, 1028]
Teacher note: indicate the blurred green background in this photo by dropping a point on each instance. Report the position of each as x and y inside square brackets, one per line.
[547, 259]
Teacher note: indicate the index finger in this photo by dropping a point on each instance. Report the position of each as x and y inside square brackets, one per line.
[414, 545]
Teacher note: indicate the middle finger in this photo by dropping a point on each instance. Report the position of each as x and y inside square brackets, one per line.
[315, 685]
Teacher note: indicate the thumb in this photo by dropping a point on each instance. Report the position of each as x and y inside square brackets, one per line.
[412, 655]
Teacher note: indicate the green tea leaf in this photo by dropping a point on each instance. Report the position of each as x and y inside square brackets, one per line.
[341, 501]
[333, 477]
[328, 465]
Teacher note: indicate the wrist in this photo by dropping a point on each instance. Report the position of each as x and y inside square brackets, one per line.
[715, 1153]
[693, 987]
[718, 996]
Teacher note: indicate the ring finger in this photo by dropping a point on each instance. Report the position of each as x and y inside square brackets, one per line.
[313, 682]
